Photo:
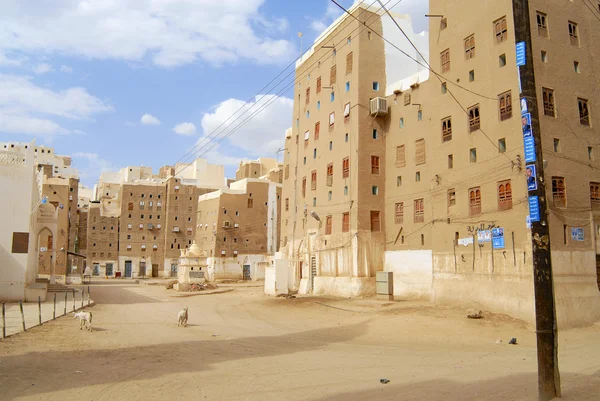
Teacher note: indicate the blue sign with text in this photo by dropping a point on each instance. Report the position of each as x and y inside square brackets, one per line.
[521, 54]
[534, 209]
[498, 238]
[529, 144]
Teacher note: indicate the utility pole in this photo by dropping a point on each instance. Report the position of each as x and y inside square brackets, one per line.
[543, 281]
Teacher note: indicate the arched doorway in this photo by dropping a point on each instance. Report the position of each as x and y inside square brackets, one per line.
[45, 248]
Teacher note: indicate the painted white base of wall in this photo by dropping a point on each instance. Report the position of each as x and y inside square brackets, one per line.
[12, 291]
[35, 291]
[344, 286]
[413, 273]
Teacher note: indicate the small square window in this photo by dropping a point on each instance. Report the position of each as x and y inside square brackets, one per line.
[314, 201]
[305, 160]
[332, 96]
[314, 153]
[319, 105]
[349, 40]
[330, 145]
[418, 176]
[502, 60]
[444, 88]
[544, 57]
[346, 138]
[473, 155]
[502, 145]
[348, 86]
[375, 86]
[375, 190]
[329, 195]
[375, 134]
[557, 145]
[401, 122]
[590, 153]
[420, 115]
[399, 181]
[576, 67]
[308, 114]
[346, 190]
[471, 75]
[450, 161]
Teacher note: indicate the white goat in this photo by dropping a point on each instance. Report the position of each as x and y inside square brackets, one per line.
[182, 317]
[85, 319]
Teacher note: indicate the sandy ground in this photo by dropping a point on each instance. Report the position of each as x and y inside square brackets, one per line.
[242, 345]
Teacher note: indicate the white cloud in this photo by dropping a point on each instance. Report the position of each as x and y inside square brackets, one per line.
[148, 119]
[90, 166]
[262, 135]
[42, 68]
[26, 108]
[186, 129]
[66, 68]
[170, 33]
[8, 61]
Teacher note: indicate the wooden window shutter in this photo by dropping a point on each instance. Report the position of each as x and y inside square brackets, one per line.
[20, 243]
[400, 156]
[420, 157]
[332, 75]
[349, 63]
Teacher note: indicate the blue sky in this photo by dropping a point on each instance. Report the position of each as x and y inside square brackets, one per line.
[116, 83]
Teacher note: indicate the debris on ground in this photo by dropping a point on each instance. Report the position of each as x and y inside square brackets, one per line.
[78, 371]
[202, 287]
[169, 284]
[384, 381]
[215, 335]
[286, 296]
[513, 341]
[474, 314]
[499, 341]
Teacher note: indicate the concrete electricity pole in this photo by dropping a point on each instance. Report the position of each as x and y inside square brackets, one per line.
[545, 312]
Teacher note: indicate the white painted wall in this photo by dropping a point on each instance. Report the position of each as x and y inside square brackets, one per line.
[413, 273]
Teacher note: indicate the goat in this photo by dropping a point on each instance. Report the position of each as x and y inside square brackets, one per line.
[85, 319]
[182, 317]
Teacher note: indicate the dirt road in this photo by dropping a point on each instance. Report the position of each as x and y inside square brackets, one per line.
[242, 345]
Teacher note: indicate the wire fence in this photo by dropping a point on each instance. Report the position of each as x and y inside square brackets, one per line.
[19, 316]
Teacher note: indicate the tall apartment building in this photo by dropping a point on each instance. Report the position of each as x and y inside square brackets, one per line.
[239, 228]
[442, 163]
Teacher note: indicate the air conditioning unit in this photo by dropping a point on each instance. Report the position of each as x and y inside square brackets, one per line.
[236, 225]
[235, 252]
[155, 246]
[158, 226]
[143, 246]
[175, 229]
[129, 226]
[378, 106]
[222, 252]
[128, 246]
[141, 226]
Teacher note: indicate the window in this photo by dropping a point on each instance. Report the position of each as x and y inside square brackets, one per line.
[308, 114]
[287, 171]
[471, 75]
[374, 190]
[375, 221]
[313, 180]
[541, 23]
[330, 145]
[400, 156]
[287, 204]
[419, 216]
[501, 145]
[418, 176]
[443, 24]
[590, 153]
[399, 214]
[501, 30]
[450, 161]
[401, 122]
[473, 155]
[445, 58]
[548, 99]
[331, 120]
[349, 40]
[375, 134]
[345, 222]
[574, 33]
[130, 206]
[329, 182]
[446, 129]
[332, 96]
[559, 195]
[451, 198]
[375, 86]
[314, 201]
[348, 86]
[474, 201]
[307, 95]
[505, 100]
[444, 88]
[502, 60]
[399, 181]
[250, 203]
[375, 165]
[420, 115]
[346, 190]
[345, 167]
[595, 194]
[329, 195]
[544, 57]
[328, 225]
[346, 138]
[304, 160]
[347, 111]
[420, 157]
[303, 187]
[474, 120]
[349, 63]
[584, 114]
[557, 145]
[576, 67]
[332, 75]
[470, 47]
[319, 85]
[504, 195]
[318, 105]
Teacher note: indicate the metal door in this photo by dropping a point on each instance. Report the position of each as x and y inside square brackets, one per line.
[154, 270]
[313, 271]
[246, 272]
[142, 270]
[109, 269]
[96, 269]
[174, 270]
[128, 268]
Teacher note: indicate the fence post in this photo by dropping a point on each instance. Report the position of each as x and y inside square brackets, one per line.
[3, 320]
[65, 312]
[82, 296]
[22, 315]
[73, 299]
[54, 311]
[40, 309]
[88, 295]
